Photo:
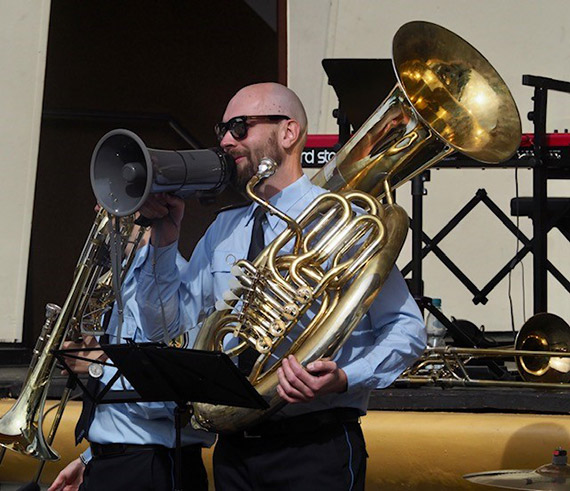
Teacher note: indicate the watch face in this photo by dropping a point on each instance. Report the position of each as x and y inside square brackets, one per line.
[95, 370]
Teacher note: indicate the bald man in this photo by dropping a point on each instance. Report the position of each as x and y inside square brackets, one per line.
[315, 442]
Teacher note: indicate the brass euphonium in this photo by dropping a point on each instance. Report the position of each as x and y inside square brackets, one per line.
[448, 98]
[90, 296]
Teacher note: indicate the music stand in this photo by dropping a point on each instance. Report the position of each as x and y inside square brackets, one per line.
[360, 85]
[162, 373]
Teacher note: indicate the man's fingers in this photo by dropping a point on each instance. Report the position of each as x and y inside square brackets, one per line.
[298, 377]
[288, 392]
[55, 486]
[297, 384]
[285, 397]
[153, 211]
[291, 384]
[299, 371]
[156, 206]
[173, 200]
[71, 345]
[321, 366]
[315, 379]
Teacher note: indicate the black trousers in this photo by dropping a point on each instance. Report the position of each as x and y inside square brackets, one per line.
[143, 468]
[331, 458]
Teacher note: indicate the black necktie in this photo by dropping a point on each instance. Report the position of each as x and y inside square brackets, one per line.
[257, 243]
[87, 411]
[247, 358]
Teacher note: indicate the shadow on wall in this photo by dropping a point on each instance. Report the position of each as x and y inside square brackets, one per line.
[545, 437]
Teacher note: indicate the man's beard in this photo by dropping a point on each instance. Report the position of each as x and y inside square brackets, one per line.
[246, 170]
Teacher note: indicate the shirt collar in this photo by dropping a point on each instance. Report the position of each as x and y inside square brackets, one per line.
[285, 200]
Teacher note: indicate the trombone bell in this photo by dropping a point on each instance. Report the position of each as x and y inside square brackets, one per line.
[544, 332]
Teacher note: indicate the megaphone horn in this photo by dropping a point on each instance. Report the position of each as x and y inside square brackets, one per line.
[124, 172]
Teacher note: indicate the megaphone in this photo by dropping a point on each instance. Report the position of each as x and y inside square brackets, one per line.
[124, 172]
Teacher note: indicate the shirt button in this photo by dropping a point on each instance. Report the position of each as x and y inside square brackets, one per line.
[230, 259]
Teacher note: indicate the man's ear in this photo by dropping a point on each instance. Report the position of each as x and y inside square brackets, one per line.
[291, 132]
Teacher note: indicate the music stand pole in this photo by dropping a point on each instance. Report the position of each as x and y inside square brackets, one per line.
[178, 452]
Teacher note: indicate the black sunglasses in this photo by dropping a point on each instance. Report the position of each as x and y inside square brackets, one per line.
[239, 125]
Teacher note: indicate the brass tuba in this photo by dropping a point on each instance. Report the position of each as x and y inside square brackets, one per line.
[448, 98]
[90, 296]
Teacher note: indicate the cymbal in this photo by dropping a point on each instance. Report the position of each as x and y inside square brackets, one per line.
[550, 477]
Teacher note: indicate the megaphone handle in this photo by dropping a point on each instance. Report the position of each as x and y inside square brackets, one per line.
[143, 221]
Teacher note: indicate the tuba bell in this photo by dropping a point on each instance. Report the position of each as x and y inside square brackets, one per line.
[448, 98]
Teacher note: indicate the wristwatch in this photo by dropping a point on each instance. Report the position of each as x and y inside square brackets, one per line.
[95, 370]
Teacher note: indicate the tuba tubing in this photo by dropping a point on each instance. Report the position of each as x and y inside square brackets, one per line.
[325, 341]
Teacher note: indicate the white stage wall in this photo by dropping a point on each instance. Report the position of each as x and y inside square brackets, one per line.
[23, 42]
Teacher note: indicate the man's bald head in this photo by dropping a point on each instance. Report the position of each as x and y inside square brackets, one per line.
[268, 98]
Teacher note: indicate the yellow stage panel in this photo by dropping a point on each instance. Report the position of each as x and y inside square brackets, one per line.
[407, 450]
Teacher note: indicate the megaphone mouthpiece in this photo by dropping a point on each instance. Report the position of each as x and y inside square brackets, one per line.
[133, 171]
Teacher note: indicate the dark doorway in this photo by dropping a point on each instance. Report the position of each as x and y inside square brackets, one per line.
[163, 69]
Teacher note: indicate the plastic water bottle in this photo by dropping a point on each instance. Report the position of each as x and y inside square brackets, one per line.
[435, 329]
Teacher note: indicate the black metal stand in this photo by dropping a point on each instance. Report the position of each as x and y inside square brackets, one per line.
[544, 166]
[540, 178]
[418, 192]
[431, 245]
[159, 373]
[360, 85]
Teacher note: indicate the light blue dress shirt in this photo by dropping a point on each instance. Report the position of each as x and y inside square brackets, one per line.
[388, 339]
[137, 423]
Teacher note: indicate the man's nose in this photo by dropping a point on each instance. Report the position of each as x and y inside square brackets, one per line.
[228, 141]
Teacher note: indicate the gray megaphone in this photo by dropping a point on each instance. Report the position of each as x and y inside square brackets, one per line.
[124, 172]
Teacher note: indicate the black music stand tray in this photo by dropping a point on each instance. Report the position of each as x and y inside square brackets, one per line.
[160, 373]
[361, 84]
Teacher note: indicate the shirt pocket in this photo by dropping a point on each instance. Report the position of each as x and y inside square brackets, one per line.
[222, 261]
[221, 265]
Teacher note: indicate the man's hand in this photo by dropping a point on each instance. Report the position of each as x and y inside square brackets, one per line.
[166, 212]
[82, 366]
[70, 478]
[297, 384]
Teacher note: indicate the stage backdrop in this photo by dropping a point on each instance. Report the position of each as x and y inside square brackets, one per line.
[518, 37]
[23, 41]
